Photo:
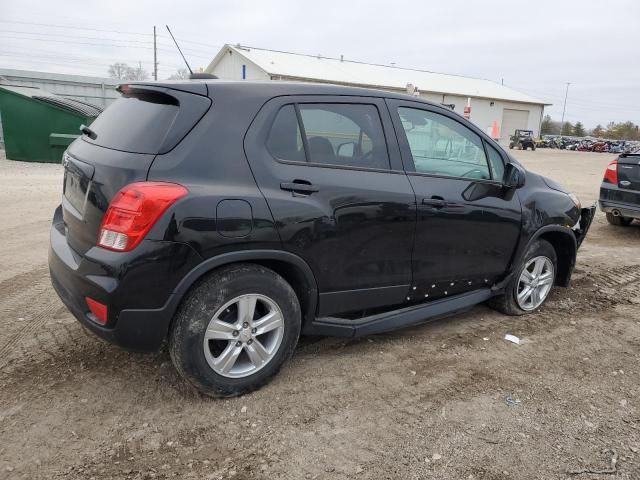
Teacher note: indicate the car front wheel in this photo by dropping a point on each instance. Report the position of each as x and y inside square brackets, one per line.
[530, 286]
[235, 329]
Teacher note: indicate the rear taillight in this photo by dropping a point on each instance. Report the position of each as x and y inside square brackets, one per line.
[133, 211]
[611, 173]
[98, 309]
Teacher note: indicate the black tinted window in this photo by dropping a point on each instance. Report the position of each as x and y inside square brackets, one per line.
[344, 134]
[137, 123]
[285, 141]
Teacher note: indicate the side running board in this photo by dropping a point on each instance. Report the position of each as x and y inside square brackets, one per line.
[404, 317]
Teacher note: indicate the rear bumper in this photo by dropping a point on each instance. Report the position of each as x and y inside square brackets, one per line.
[625, 209]
[136, 286]
[625, 201]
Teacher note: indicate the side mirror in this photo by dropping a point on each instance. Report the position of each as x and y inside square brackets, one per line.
[514, 176]
[346, 150]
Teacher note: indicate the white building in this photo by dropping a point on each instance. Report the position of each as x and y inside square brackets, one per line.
[490, 102]
[96, 90]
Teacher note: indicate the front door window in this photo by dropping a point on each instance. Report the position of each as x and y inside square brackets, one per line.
[442, 146]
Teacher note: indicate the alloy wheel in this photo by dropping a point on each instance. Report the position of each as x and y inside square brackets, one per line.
[243, 335]
[535, 283]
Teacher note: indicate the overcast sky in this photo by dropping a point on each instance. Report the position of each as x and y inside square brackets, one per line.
[535, 46]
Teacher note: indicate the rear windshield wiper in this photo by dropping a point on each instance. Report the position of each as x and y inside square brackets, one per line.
[88, 132]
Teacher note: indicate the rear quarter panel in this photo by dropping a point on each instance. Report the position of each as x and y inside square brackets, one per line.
[211, 163]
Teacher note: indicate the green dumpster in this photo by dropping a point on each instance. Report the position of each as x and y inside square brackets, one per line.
[38, 125]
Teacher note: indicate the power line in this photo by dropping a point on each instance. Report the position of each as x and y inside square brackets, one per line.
[77, 61]
[55, 54]
[81, 43]
[182, 40]
[110, 45]
[76, 27]
[84, 37]
[44, 34]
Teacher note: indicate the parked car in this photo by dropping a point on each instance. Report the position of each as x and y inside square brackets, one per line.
[522, 139]
[618, 147]
[620, 190]
[230, 217]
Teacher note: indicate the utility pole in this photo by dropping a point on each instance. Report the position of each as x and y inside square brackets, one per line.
[564, 108]
[155, 56]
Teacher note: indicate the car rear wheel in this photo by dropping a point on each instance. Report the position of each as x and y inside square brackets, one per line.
[530, 286]
[235, 330]
[619, 221]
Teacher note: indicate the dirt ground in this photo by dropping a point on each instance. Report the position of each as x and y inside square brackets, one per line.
[448, 400]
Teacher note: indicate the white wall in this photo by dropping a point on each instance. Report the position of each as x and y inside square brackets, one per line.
[230, 68]
[483, 114]
[95, 90]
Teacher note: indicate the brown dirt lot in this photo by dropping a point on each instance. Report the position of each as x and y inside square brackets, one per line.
[448, 400]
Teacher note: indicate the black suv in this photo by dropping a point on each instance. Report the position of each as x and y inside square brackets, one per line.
[230, 217]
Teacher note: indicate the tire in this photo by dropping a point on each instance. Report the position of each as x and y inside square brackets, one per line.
[507, 302]
[533, 148]
[511, 146]
[222, 294]
[619, 221]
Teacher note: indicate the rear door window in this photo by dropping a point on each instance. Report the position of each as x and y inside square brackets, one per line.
[344, 134]
[339, 134]
[147, 121]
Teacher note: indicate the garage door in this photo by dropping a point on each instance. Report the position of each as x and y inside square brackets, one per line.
[511, 121]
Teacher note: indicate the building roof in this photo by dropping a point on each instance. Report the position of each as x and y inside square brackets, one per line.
[310, 67]
[12, 73]
[37, 93]
[263, 90]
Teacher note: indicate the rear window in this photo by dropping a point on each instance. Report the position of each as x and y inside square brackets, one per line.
[147, 121]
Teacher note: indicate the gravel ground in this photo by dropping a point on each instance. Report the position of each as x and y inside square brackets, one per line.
[448, 400]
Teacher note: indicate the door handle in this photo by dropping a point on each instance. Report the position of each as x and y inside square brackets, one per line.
[435, 202]
[299, 186]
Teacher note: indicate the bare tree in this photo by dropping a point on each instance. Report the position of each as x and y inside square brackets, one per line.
[137, 73]
[181, 74]
[118, 70]
[122, 71]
